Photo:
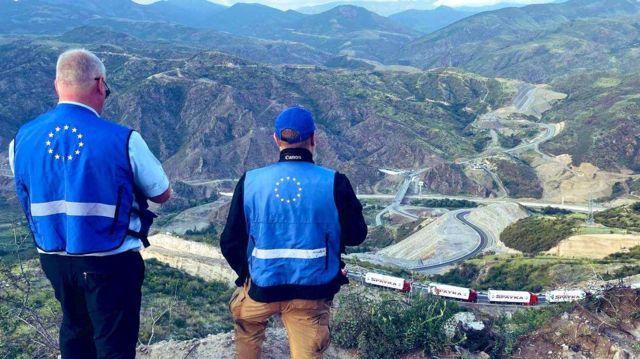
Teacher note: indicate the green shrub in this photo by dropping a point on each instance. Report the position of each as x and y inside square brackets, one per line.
[185, 307]
[537, 234]
[390, 327]
[634, 253]
[625, 271]
[626, 217]
[526, 277]
[208, 235]
[445, 203]
[520, 323]
[462, 275]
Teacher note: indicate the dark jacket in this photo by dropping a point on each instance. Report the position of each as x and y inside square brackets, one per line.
[234, 238]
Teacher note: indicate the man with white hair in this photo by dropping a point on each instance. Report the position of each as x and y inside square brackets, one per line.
[83, 183]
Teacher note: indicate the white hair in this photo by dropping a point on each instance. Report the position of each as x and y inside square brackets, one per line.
[78, 68]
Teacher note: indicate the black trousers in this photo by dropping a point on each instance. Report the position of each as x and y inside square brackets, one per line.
[100, 299]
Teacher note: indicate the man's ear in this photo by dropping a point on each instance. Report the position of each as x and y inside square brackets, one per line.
[101, 88]
[276, 140]
[313, 139]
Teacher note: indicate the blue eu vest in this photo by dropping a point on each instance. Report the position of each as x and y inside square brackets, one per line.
[74, 180]
[293, 225]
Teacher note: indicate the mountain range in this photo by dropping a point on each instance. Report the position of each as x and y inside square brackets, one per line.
[388, 8]
[209, 115]
[428, 21]
[534, 42]
[175, 72]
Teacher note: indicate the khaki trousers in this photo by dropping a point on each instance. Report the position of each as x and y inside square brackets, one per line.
[306, 322]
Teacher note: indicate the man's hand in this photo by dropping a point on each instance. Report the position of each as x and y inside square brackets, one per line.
[163, 197]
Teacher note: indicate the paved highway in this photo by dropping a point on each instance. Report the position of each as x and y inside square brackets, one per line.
[482, 243]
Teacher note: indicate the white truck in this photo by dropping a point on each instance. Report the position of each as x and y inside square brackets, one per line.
[450, 291]
[559, 296]
[387, 281]
[512, 297]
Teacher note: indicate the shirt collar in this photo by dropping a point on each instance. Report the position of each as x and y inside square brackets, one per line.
[79, 104]
[296, 155]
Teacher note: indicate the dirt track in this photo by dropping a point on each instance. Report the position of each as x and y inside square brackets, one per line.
[595, 246]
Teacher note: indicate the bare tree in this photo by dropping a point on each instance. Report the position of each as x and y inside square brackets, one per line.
[21, 310]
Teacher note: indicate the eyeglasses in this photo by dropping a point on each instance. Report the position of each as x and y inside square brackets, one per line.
[108, 90]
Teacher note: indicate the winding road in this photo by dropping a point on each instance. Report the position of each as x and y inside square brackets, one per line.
[482, 243]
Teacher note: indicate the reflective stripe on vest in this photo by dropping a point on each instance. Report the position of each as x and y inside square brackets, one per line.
[72, 209]
[289, 253]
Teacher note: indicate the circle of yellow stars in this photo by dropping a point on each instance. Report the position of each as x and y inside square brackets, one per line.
[288, 199]
[65, 129]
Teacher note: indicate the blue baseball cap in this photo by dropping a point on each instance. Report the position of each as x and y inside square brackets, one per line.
[298, 124]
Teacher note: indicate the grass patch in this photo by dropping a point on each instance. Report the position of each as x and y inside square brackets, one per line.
[625, 217]
[188, 307]
[600, 230]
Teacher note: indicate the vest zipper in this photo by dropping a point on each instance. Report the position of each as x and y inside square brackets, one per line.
[326, 254]
[115, 218]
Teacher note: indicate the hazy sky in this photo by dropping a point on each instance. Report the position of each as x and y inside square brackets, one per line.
[294, 4]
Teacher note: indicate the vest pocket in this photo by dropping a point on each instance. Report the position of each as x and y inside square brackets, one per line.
[115, 216]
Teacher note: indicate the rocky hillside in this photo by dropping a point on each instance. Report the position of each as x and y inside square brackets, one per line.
[606, 327]
[209, 115]
[602, 120]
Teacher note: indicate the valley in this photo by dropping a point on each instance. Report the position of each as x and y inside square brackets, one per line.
[490, 147]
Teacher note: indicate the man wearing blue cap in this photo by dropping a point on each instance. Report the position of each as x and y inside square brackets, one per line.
[287, 225]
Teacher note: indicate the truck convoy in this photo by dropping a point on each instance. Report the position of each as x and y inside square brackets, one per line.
[471, 295]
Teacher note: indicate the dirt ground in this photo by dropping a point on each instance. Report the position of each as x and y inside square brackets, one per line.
[575, 184]
[608, 327]
[222, 346]
[595, 246]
